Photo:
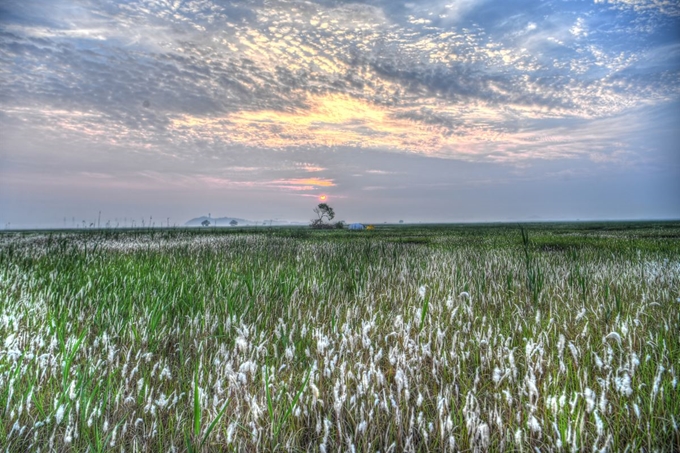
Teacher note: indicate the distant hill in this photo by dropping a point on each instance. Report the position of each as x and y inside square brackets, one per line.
[219, 221]
[224, 221]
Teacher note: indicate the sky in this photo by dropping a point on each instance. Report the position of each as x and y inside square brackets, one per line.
[421, 111]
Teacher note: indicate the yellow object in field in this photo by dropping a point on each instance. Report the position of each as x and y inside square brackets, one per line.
[370, 227]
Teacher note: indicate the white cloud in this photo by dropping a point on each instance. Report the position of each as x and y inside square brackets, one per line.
[665, 7]
[579, 29]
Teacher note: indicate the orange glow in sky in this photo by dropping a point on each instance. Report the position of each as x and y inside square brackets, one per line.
[342, 120]
[323, 197]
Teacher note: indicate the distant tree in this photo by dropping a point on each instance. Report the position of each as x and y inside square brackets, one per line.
[323, 213]
[205, 223]
[401, 221]
[233, 223]
[340, 225]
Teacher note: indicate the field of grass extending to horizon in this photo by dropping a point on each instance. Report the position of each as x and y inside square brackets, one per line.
[550, 337]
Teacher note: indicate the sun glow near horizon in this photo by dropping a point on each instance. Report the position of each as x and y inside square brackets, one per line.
[334, 120]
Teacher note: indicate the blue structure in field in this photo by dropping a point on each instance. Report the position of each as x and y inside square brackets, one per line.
[356, 226]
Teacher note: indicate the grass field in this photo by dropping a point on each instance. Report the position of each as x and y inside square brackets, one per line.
[557, 337]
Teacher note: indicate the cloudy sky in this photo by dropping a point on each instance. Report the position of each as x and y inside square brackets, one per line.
[454, 110]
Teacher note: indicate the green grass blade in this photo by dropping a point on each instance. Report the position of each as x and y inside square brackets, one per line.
[290, 409]
[214, 423]
[197, 407]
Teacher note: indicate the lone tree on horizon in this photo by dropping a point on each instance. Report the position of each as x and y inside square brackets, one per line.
[323, 212]
[233, 223]
[205, 223]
